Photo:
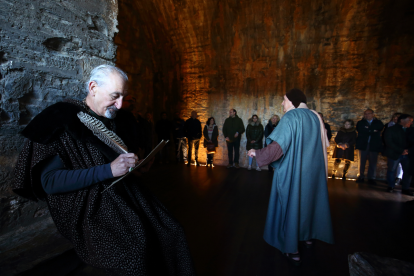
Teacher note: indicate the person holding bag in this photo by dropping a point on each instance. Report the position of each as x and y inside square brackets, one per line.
[210, 134]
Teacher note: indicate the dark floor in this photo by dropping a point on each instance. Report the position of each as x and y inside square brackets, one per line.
[223, 213]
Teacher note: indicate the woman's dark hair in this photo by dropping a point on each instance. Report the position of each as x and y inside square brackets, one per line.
[350, 121]
[234, 110]
[209, 119]
[395, 114]
[254, 115]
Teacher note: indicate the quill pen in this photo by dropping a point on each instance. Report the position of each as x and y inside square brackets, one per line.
[103, 133]
[142, 163]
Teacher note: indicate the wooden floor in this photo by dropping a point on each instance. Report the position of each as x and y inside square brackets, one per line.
[223, 213]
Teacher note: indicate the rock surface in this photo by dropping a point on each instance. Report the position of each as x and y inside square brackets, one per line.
[367, 264]
[47, 49]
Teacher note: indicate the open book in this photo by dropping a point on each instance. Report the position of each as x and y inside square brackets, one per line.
[142, 163]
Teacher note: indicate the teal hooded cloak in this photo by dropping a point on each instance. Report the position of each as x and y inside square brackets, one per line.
[299, 205]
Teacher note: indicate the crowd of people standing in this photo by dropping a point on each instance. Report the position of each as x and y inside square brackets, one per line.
[369, 136]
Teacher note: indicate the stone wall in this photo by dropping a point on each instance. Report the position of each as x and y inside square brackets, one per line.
[347, 55]
[47, 49]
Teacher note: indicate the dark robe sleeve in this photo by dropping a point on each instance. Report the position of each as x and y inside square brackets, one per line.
[56, 179]
[268, 154]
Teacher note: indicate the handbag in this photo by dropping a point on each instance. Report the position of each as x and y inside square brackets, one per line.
[211, 148]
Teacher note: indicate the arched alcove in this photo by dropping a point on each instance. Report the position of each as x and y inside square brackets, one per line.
[215, 55]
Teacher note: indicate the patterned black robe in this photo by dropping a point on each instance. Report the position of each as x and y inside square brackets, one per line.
[125, 230]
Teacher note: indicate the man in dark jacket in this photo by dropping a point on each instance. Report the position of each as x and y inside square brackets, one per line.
[397, 150]
[327, 127]
[179, 138]
[369, 144]
[163, 129]
[192, 130]
[233, 129]
[410, 141]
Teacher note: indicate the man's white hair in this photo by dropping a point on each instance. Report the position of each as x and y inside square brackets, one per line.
[101, 73]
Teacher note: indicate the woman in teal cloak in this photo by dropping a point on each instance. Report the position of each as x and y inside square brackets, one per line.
[299, 205]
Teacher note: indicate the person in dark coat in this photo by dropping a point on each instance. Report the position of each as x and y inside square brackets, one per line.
[410, 141]
[233, 128]
[210, 134]
[392, 122]
[163, 130]
[369, 144]
[69, 161]
[345, 146]
[271, 125]
[179, 138]
[397, 150]
[254, 136]
[192, 130]
[327, 127]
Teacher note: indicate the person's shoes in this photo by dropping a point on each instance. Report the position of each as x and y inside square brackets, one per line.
[333, 175]
[258, 169]
[344, 177]
[407, 192]
[229, 166]
[397, 181]
[236, 165]
[197, 164]
[372, 182]
[309, 244]
[359, 180]
[390, 189]
[249, 167]
[293, 258]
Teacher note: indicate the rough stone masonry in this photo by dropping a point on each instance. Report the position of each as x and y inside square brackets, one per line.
[45, 48]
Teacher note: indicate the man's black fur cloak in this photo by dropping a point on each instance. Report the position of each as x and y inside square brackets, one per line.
[125, 230]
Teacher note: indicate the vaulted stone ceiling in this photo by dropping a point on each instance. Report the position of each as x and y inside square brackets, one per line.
[347, 55]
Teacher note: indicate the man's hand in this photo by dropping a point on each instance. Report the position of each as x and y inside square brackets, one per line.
[227, 139]
[405, 152]
[253, 141]
[121, 165]
[236, 135]
[252, 153]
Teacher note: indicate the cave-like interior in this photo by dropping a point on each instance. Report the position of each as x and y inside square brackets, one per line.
[204, 56]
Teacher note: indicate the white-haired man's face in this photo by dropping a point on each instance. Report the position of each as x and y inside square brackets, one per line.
[106, 100]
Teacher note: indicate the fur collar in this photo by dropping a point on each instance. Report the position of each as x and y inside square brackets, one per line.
[62, 116]
[343, 129]
[258, 122]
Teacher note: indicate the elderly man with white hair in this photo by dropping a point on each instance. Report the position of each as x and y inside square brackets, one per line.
[73, 152]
